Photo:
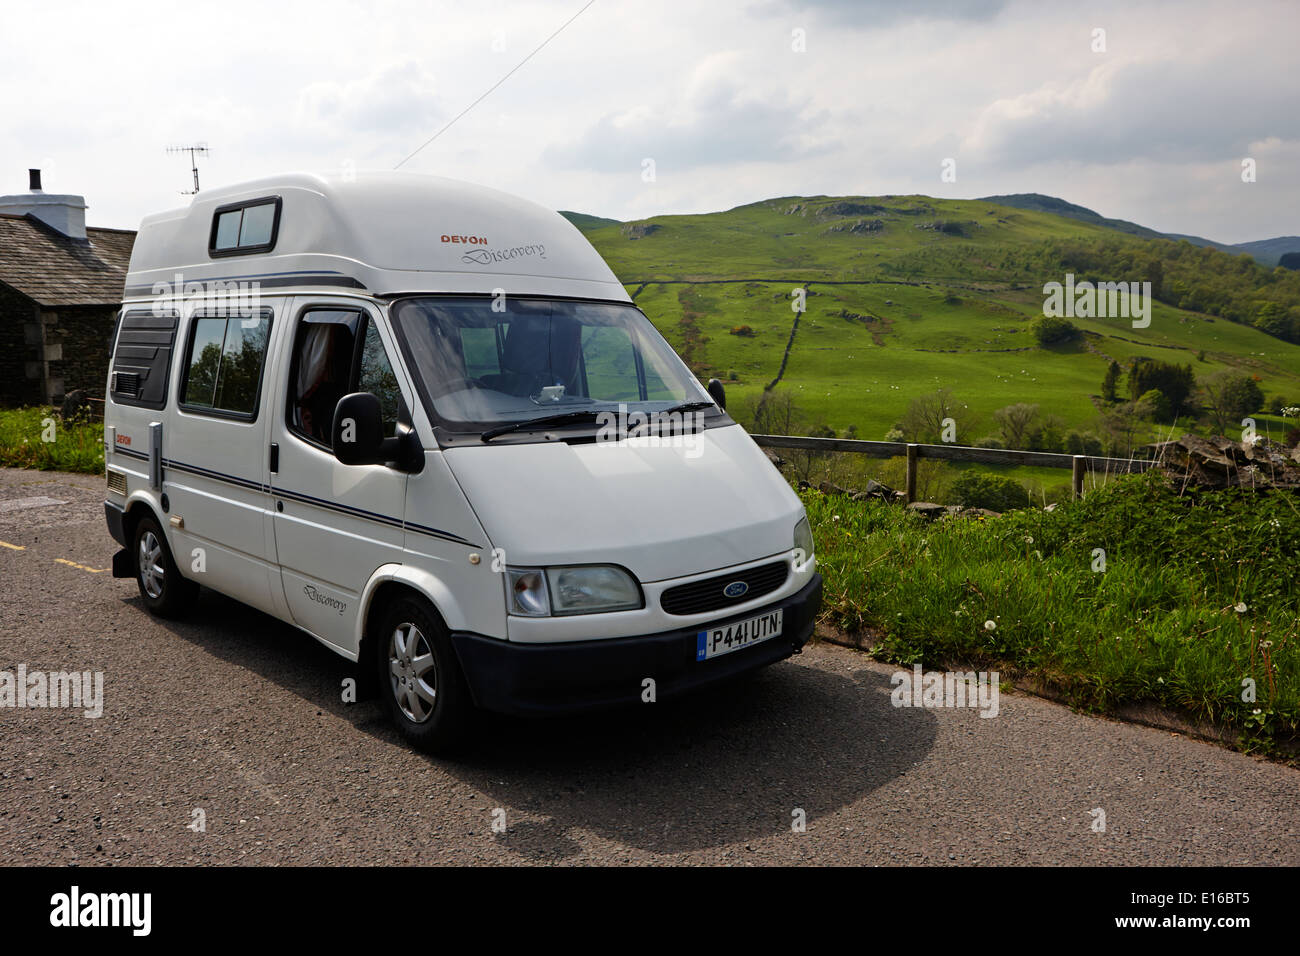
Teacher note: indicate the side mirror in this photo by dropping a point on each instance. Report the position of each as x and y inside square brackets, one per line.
[717, 393]
[357, 434]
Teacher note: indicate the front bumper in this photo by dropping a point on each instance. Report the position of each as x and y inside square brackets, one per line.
[534, 679]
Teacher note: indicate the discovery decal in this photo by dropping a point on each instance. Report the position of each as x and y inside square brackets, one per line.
[485, 257]
[319, 598]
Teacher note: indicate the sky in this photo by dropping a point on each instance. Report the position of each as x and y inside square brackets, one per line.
[642, 108]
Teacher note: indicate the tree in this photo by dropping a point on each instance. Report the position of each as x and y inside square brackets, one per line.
[1080, 443]
[1048, 434]
[1154, 403]
[1121, 424]
[771, 413]
[1053, 330]
[1013, 422]
[1229, 397]
[1110, 384]
[980, 489]
[924, 419]
[1175, 382]
[1272, 319]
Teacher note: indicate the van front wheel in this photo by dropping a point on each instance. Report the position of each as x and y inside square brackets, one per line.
[163, 590]
[420, 679]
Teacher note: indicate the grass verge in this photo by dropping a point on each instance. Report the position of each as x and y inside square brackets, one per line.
[41, 438]
[1135, 594]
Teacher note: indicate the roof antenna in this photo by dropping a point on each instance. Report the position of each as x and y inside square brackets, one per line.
[195, 151]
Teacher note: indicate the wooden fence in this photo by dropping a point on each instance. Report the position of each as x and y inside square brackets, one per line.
[1079, 465]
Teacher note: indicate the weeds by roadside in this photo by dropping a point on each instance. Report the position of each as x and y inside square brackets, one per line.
[41, 438]
[1133, 594]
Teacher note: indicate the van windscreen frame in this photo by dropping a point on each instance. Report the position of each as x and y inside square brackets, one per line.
[667, 370]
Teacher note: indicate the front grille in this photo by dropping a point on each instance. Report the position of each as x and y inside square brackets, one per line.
[709, 594]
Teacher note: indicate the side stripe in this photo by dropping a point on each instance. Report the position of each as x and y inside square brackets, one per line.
[306, 499]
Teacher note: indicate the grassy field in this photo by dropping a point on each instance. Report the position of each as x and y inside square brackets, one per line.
[1195, 597]
[933, 309]
[40, 438]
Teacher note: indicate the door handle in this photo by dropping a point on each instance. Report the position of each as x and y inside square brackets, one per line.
[275, 458]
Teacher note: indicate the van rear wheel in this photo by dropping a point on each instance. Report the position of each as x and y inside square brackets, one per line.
[420, 680]
[163, 590]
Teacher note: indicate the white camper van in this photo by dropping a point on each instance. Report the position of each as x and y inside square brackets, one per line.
[422, 421]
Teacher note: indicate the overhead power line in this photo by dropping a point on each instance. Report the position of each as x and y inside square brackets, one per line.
[489, 90]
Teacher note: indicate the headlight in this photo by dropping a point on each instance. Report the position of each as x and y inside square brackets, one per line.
[803, 541]
[588, 589]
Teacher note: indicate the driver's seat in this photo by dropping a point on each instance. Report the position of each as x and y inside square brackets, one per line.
[538, 351]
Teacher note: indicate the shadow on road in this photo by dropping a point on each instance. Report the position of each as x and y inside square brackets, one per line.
[724, 766]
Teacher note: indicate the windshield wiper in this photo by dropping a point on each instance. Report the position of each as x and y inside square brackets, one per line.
[586, 414]
[687, 407]
[583, 415]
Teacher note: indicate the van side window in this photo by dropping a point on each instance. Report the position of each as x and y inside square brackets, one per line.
[337, 352]
[322, 370]
[376, 376]
[224, 364]
[244, 228]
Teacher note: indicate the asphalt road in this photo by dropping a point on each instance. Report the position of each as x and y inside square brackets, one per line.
[241, 717]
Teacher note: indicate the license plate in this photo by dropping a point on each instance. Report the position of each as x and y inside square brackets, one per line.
[717, 641]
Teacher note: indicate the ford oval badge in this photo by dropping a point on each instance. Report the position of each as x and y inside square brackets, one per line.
[735, 589]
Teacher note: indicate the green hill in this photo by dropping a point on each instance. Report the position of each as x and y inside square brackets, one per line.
[1071, 211]
[1269, 251]
[909, 294]
[1266, 251]
[587, 222]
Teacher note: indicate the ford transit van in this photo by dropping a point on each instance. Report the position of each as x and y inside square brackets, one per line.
[422, 421]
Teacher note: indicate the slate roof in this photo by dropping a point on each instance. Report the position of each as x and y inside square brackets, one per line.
[53, 270]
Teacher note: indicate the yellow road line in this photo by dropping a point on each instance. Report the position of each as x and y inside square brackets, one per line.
[12, 547]
[80, 567]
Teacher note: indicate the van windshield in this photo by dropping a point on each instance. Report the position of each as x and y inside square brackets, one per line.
[486, 361]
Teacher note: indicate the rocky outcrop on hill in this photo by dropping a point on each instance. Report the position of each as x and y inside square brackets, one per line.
[859, 226]
[843, 208]
[639, 230]
[839, 208]
[1223, 463]
[950, 227]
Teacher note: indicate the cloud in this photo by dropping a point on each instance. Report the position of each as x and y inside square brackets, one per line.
[1168, 111]
[396, 98]
[719, 117]
[879, 14]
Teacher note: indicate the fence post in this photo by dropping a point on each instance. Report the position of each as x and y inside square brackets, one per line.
[1077, 470]
[911, 473]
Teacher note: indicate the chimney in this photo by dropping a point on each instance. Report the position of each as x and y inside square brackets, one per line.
[65, 214]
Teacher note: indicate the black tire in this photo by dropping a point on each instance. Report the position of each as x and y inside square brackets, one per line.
[431, 707]
[162, 588]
